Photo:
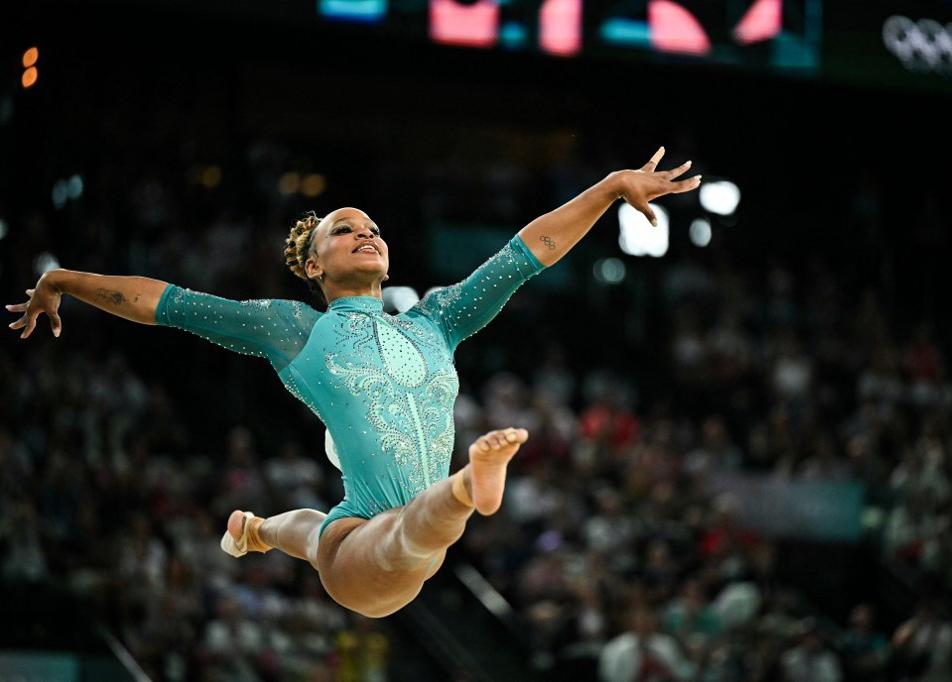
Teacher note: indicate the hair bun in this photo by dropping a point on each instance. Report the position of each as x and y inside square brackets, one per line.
[295, 251]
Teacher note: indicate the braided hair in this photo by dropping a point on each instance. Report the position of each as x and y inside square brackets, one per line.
[296, 249]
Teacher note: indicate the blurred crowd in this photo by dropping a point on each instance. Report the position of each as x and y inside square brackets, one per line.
[612, 545]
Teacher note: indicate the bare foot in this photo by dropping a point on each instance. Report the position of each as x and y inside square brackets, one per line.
[488, 457]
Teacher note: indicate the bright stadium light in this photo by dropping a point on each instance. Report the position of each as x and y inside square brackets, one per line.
[60, 193]
[44, 262]
[363, 11]
[720, 197]
[30, 74]
[609, 270]
[700, 232]
[30, 57]
[74, 187]
[400, 298]
[289, 183]
[636, 235]
[313, 184]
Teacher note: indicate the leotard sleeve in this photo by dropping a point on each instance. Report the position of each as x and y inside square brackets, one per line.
[464, 308]
[275, 329]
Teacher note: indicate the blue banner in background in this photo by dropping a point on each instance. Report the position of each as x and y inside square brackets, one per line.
[794, 509]
[40, 667]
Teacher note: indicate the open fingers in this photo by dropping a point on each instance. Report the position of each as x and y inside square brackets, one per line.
[649, 214]
[30, 320]
[685, 185]
[56, 324]
[663, 187]
[17, 307]
[675, 172]
[653, 161]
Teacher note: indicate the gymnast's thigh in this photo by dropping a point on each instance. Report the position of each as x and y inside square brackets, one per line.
[348, 559]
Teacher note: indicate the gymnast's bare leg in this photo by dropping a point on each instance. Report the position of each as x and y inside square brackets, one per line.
[377, 566]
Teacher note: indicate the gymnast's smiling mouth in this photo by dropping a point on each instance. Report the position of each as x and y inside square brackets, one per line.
[366, 245]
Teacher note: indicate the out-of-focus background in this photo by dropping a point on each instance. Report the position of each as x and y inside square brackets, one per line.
[739, 462]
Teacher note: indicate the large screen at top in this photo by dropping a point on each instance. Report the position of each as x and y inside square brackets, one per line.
[905, 43]
[890, 42]
[780, 34]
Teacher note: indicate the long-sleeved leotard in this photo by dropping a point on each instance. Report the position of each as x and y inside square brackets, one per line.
[384, 385]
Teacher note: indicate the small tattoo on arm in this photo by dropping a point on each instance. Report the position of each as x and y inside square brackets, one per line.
[548, 241]
[114, 297]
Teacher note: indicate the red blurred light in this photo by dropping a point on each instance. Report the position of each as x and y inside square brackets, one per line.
[674, 29]
[474, 25]
[29, 77]
[560, 27]
[30, 57]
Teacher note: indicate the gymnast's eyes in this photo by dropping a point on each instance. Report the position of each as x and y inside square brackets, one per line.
[342, 228]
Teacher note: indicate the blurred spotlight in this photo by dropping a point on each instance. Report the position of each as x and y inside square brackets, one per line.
[313, 185]
[211, 177]
[30, 57]
[720, 197]
[60, 193]
[289, 183]
[29, 77]
[400, 298]
[3, 228]
[609, 270]
[560, 27]
[472, 24]
[368, 11]
[45, 262]
[74, 188]
[700, 232]
[636, 235]
[512, 35]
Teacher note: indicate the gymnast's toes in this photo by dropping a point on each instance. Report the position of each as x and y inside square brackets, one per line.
[236, 524]
[501, 441]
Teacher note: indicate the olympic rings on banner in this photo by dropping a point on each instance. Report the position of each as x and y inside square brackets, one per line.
[924, 45]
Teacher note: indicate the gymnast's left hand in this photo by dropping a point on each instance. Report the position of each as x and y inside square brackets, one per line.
[638, 187]
[44, 298]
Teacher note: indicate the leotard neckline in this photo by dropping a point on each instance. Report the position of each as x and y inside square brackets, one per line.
[361, 303]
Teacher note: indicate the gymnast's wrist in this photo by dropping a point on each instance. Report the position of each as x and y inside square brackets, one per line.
[613, 185]
[58, 280]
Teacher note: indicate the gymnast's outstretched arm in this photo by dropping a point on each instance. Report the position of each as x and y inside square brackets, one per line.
[553, 235]
[133, 298]
[275, 329]
[462, 309]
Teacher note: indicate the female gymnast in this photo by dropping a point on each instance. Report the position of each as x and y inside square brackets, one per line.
[383, 385]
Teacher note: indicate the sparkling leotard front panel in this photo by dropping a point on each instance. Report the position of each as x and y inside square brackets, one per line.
[384, 385]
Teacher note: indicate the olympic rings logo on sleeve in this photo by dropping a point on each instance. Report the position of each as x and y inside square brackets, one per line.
[924, 45]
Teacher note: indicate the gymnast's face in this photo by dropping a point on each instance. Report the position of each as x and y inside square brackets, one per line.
[340, 250]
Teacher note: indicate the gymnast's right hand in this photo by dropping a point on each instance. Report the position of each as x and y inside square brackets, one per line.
[44, 298]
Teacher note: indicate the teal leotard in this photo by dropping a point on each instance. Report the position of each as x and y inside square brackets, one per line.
[384, 385]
